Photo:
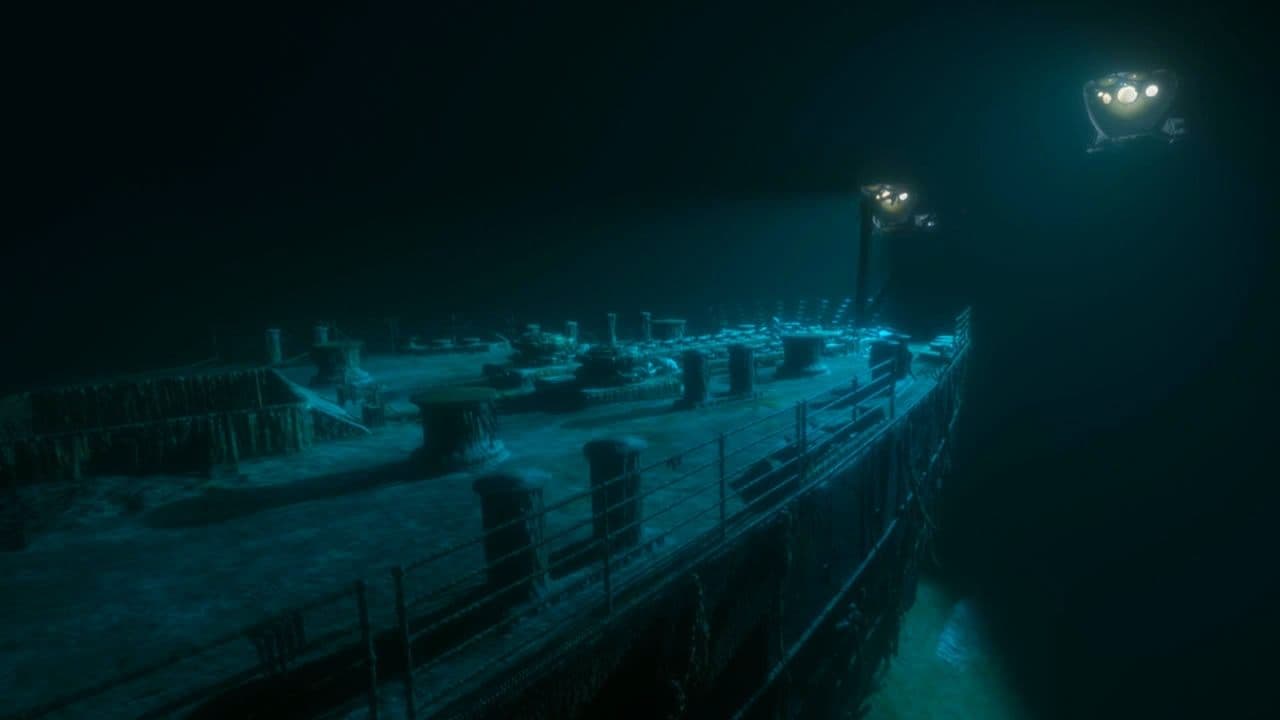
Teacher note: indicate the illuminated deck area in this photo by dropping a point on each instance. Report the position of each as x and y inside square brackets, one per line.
[108, 591]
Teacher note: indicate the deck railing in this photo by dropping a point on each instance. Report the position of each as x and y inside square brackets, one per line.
[766, 462]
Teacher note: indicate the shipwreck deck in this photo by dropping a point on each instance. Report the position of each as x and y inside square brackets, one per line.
[111, 589]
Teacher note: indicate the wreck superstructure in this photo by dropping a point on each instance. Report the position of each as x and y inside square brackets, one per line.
[714, 525]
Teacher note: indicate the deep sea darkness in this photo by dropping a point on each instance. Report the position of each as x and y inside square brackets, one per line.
[183, 174]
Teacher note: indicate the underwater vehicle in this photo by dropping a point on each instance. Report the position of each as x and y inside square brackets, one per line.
[1133, 107]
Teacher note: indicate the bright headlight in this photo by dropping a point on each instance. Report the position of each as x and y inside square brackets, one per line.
[1124, 106]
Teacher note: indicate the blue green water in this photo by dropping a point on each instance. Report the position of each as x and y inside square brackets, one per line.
[946, 668]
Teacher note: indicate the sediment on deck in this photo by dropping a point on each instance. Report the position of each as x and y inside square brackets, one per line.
[350, 649]
[790, 616]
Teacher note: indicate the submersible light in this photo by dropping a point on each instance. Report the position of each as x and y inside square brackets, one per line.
[892, 208]
[1121, 112]
[885, 209]
[892, 204]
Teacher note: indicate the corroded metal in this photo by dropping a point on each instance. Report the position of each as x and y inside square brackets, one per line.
[459, 428]
[839, 525]
[511, 507]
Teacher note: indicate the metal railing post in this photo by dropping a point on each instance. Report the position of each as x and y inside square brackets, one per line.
[954, 396]
[799, 426]
[722, 479]
[805, 414]
[410, 705]
[366, 639]
[608, 562]
[802, 436]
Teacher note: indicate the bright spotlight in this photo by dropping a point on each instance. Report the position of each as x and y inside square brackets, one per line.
[892, 207]
[1145, 113]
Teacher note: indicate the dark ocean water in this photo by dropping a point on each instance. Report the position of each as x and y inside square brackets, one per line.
[1117, 503]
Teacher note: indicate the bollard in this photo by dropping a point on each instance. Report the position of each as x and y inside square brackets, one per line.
[611, 320]
[275, 354]
[459, 428]
[742, 369]
[882, 351]
[615, 482]
[571, 332]
[697, 378]
[320, 335]
[802, 356]
[334, 359]
[511, 508]
[646, 327]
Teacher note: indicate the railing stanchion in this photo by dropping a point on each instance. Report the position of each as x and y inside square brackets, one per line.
[366, 639]
[799, 425]
[948, 384]
[722, 478]
[608, 563]
[802, 431]
[804, 412]
[410, 704]
[626, 520]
